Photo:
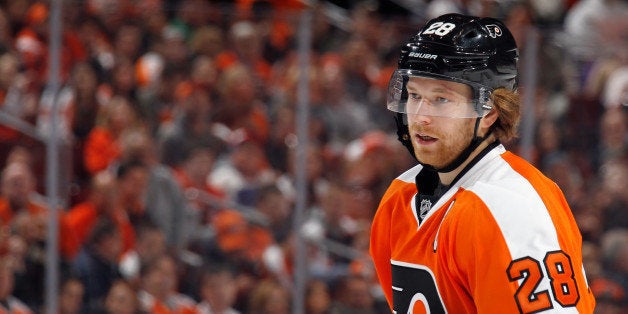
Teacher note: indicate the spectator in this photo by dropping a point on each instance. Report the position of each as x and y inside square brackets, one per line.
[84, 82]
[269, 297]
[239, 242]
[603, 17]
[190, 122]
[97, 263]
[239, 111]
[21, 209]
[17, 98]
[128, 41]
[123, 82]
[192, 175]
[346, 117]
[613, 197]
[245, 168]
[616, 88]
[102, 201]
[102, 146]
[17, 192]
[159, 199]
[315, 173]
[121, 299]
[207, 40]
[71, 296]
[609, 295]
[150, 245]
[159, 288]
[218, 290]
[276, 208]
[9, 303]
[132, 181]
[317, 297]
[614, 249]
[247, 49]
[29, 243]
[353, 295]
[613, 142]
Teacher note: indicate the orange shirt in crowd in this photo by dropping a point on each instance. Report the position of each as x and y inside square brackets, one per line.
[7, 214]
[236, 235]
[78, 222]
[228, 58]
[177, 304]
[100, 150]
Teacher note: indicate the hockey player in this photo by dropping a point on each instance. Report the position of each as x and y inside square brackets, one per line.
[472, 228]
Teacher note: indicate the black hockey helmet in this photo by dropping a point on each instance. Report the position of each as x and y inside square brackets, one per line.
[478, 52]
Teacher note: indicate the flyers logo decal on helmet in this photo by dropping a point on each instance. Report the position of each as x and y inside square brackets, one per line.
[493, 30]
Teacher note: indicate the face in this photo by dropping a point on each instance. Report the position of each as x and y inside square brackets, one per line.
[134, 183]
[161, 279]
[278, 301]
[71, 297]
[437, 141]
[219, 290]
[111, 247]
[121, 299]
[151, 244]
[17, 184]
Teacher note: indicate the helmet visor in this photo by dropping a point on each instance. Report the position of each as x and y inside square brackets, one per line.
[420, 93]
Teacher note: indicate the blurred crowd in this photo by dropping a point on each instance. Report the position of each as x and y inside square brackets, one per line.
[178, 131]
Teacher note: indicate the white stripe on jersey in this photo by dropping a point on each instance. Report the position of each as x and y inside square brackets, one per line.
[521, 215]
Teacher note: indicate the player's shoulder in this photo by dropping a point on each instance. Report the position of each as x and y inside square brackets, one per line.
[503, 170]
[409, 175]
[508, 185]
[403, 186]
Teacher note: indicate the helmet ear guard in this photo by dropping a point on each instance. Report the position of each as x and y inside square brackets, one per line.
[403, 134]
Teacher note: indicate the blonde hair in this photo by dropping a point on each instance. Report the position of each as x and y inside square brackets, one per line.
[508, 104]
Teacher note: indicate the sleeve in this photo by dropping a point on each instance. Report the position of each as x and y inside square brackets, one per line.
[507, 257]
[380, 249]
[75, 226]
[100, 149]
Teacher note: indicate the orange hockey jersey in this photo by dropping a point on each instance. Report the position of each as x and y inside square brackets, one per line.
[501, 239]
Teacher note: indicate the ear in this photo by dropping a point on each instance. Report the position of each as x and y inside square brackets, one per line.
[487, 121]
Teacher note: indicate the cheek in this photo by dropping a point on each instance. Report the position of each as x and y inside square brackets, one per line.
[460, 134]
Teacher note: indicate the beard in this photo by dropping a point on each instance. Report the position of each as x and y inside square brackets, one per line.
[447, 147]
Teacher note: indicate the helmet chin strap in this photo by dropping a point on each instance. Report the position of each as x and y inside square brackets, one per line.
[475, 142]
[403, 135]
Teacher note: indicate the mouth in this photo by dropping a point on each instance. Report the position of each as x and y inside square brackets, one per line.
[425, 139]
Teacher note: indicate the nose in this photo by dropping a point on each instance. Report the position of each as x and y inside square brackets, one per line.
[419, 118]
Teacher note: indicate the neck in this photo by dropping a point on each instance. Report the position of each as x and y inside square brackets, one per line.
[447, 178]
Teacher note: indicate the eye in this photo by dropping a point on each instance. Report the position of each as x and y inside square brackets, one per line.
[441, 100]
[414, 96]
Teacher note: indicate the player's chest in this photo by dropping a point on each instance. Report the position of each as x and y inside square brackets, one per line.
[416, 244]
